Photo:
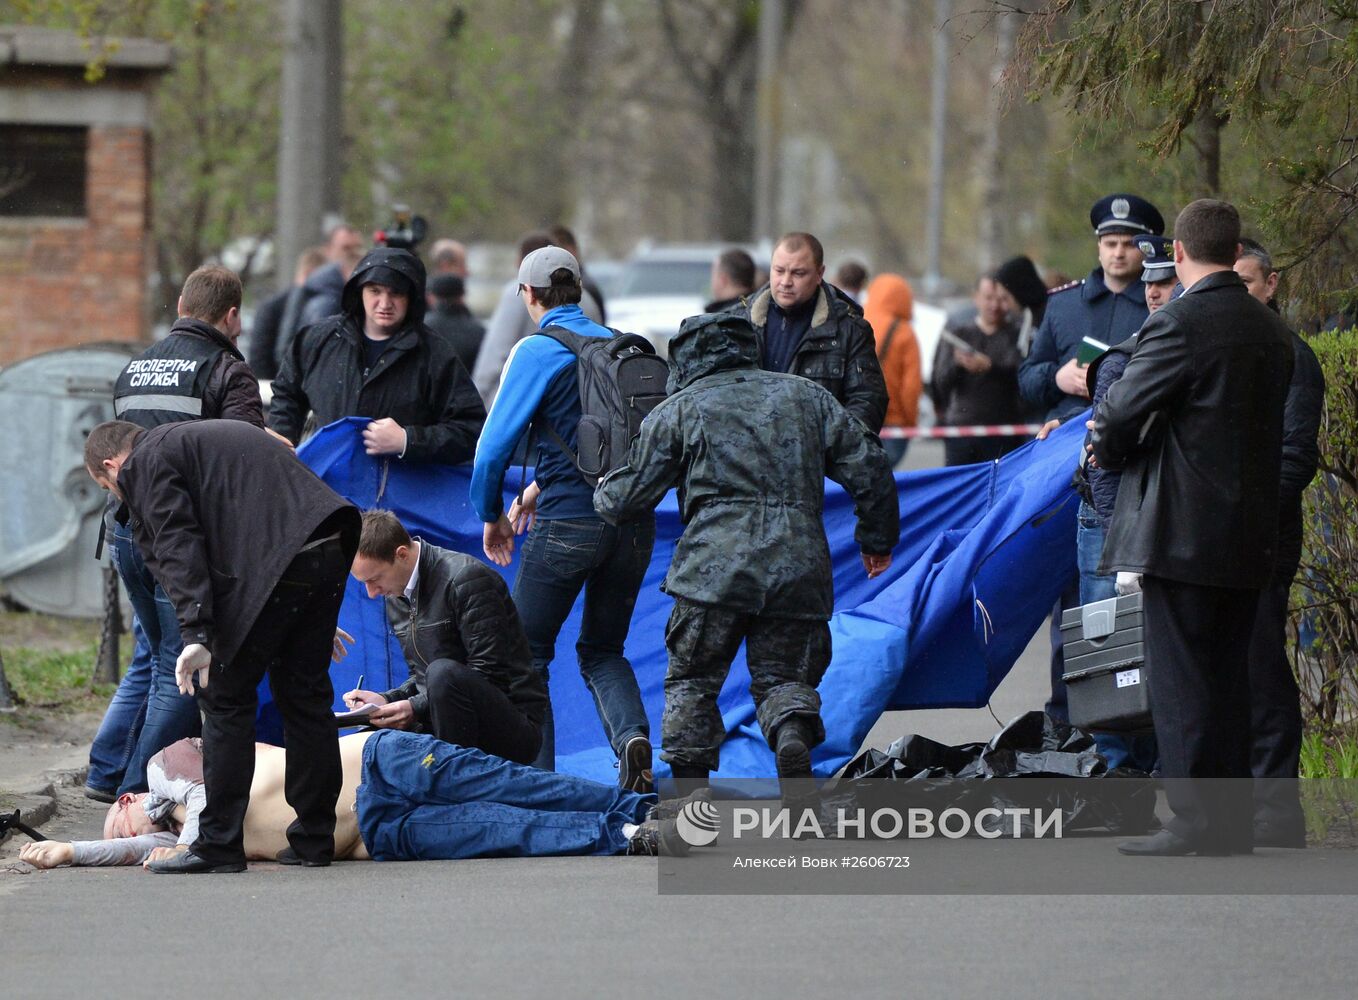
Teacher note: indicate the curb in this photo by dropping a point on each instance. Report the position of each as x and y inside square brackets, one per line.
[39, 803]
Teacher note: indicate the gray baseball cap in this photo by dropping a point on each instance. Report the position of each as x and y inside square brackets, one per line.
[536, 269]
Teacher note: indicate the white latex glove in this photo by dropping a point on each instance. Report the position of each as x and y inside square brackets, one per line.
[195, 659]
[1128, 583]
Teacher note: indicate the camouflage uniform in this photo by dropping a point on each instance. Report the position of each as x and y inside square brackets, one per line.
[749, 450]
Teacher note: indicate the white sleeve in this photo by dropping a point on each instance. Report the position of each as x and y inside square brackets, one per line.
[124, 851]
[194, 800]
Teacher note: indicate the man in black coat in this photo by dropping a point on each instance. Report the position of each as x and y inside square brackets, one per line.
[1195, 423]
[196, 372]
[377, 359]
[253, 551]
[1275, 703]
[808, 327]
[472, 680]
[450, 318]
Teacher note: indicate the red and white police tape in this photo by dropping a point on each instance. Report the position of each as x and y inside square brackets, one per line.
[973, 431]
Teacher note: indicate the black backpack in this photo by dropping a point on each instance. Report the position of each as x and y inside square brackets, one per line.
[620, 380]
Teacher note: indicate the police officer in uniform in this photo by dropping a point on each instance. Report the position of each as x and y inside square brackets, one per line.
[195, 372]
[1108, 307]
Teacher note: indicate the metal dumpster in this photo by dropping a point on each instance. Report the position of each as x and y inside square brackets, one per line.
[50, 509]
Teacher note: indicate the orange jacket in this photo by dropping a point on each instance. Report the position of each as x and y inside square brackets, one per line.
[890, 306]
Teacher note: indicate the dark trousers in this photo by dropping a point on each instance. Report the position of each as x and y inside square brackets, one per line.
[1056, 706]
[1197, 655]
[560, 558]
[787, 657]
[467, 709]
[1275, 713]
[291, 640]
[969, 451]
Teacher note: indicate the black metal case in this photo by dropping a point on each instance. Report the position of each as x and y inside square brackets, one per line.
[1107, 687]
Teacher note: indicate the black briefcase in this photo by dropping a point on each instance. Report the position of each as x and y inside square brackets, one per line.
[1107, 687]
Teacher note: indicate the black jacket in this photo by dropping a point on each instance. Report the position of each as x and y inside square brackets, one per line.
[991, 397]
[461, 610]
[1195, 423]
[219, 509]
[418, 381]
[463, 331]
[264, 332]
[838, 352]
[1301, 454]
[229, 389]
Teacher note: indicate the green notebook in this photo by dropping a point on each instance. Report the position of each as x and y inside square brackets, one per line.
[1090, 350]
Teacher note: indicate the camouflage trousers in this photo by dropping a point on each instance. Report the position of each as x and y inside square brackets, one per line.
[787, 658]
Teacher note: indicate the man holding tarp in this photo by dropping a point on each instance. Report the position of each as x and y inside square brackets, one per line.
[749, 450]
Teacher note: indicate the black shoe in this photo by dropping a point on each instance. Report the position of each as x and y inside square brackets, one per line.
[188, 863]
[670, 808]
[657, 838]
[1167, 844]
[793, 751]
[100, 794]
[287, 856]
[634, 766]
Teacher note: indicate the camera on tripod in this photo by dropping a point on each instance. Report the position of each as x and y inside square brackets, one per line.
[405, 230]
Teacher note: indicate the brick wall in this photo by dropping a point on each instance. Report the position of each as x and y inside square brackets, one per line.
[65, 282]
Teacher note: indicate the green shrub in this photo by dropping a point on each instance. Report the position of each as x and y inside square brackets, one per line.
[1324, 617]
[44, 678]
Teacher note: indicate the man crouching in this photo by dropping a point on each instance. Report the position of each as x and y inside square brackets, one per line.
[472, 680]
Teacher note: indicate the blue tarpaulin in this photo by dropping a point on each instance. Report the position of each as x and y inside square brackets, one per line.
[985, 551]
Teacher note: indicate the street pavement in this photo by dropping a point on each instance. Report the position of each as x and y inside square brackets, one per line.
[598, 927]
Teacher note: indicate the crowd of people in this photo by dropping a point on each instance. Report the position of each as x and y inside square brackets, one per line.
[236, 555]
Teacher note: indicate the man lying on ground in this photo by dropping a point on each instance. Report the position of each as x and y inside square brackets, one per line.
[405, 797]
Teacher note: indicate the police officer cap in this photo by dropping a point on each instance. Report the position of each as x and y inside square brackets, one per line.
[1125, 213]
[1157, 253]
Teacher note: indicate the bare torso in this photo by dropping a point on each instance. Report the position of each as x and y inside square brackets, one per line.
[269, 815]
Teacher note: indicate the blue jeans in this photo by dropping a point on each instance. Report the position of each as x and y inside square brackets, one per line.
[170, 716]
[560, 558]
[422, 799]
[1118, 750]
[116, 740]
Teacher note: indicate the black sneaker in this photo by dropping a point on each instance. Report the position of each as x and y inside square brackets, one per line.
[670, 808]
[657, 838]
[634, 766]
[101, 794]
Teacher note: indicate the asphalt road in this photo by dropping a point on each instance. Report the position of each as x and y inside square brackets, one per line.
[599, 927]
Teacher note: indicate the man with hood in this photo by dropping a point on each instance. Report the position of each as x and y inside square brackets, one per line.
[749, 451]
[890, 306]
[808, 327]
[377, 359]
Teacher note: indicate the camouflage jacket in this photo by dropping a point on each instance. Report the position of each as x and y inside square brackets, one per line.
[749, 451]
